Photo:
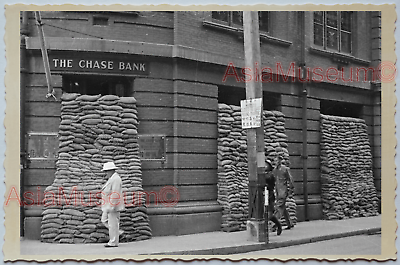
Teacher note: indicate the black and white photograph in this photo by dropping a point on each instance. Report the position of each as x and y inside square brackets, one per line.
[257, 133]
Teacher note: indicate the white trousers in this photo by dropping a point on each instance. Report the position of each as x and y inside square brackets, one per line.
[111, 221]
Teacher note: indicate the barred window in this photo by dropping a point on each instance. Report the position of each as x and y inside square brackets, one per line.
[333, 29]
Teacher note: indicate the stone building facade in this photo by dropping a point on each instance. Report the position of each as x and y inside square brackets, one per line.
[179, 66]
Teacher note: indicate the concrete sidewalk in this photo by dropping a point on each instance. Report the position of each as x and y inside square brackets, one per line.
[215, 243]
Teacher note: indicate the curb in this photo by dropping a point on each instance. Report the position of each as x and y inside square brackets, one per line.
[263, 246]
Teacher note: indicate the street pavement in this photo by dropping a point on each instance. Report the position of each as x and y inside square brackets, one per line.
[354, 245]
[213, 243]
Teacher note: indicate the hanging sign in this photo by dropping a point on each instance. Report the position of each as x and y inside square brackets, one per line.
[251, 113]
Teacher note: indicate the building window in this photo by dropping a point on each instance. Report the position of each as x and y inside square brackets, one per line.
[332, 30]
[235, 18]
[231, 18]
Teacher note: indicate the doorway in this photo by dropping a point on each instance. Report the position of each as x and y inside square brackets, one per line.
[121, 86]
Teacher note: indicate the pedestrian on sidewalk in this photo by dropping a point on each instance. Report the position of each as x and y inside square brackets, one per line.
[284, 182]
[270, 208]
[113, 203]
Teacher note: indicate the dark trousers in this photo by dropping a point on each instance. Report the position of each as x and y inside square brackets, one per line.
[282, 211]
[270, 209]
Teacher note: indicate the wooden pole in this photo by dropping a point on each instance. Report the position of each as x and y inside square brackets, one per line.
[255, 136]
[304, 92]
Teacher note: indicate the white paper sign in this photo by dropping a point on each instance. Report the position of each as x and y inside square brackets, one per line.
[266, 196]
[251, 113]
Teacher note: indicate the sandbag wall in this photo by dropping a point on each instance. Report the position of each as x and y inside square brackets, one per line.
[232, 163]
[94, 130]
[347, 183]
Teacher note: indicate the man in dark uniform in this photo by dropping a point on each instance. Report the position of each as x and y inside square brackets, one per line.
[284, 181]
[270, 185]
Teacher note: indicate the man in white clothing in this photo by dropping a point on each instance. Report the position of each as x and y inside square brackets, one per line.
[113, 203]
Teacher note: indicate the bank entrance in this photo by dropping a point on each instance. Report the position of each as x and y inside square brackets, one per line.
[347, 181]
[98, 84]
[49, 133]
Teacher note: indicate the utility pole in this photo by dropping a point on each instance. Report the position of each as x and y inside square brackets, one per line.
[255, 136]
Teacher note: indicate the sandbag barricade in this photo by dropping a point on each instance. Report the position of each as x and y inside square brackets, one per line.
[347, 182]
[232, 163]
[94, 129]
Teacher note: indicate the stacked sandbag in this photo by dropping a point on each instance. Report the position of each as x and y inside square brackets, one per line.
[347, 183]
[232, 169]
[232, 161]
[94, 129]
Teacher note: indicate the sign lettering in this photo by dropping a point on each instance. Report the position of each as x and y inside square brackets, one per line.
[85, 63]
[251, 113]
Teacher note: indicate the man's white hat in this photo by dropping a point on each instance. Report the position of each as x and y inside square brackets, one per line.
[109, 166]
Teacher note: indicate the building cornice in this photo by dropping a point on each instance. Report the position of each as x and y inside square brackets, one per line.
[151, 49]
[134, 48]
[101, 45]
